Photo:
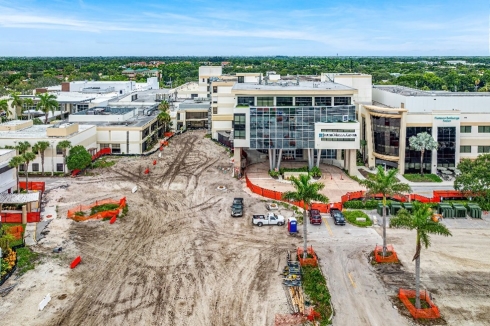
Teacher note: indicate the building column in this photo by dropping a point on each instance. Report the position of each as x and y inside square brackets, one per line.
[402, 143]
[352, 162]
[270, 160]
[318, 157]
[369, 141]
[237, 158]
[346, 159]
[433, 166]
[279, 157]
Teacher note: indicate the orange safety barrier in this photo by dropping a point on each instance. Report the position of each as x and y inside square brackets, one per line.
[102, 152]
[32, 217]
[378, 255]
[147, 171]
[428, 313]
[310, 261]
[16, 231]
[33, 185]
[106, 214]
[168, 134]
[113, 219]
[313, 315]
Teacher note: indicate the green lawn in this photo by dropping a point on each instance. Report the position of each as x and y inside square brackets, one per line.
[26, 259]
[351, 216]
[424, 178]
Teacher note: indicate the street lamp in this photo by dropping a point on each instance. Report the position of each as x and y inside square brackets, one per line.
[52, 157]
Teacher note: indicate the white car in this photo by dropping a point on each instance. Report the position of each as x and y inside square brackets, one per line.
[268, 219]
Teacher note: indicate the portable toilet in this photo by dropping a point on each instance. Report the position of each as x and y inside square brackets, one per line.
[292, 225]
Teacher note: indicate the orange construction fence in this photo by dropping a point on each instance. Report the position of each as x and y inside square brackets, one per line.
[16, 231]
[311, 261]
[32, 217]
[378, 255]
[106, 214]
[37, 185]
[428, 313]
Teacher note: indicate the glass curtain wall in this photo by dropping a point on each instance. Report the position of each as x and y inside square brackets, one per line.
[293, 127]
[446, 153]
[386, 135]
[412, 157]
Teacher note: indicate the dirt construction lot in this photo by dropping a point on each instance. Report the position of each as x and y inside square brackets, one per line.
[178, 258]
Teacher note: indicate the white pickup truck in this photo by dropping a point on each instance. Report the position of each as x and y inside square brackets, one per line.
[268, 219]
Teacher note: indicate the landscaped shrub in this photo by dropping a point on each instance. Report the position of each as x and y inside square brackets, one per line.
[352, 216]
[274, 173]
[103, 208]
[315, 172]
[315, 288]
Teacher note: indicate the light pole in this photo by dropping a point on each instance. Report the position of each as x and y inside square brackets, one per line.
[52, 157]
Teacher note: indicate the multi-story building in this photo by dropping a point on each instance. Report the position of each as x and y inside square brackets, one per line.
[459, 122]
[7, 174]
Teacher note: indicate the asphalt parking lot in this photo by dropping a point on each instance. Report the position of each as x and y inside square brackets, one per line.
[358, 297]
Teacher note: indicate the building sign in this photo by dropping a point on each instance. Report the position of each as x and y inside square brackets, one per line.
[337, 135]
[447, 119]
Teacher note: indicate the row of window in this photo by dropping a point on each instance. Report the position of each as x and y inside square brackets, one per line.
[288, 101]
[36, 168]
[467, 129]
[338, 139]
[481, 149]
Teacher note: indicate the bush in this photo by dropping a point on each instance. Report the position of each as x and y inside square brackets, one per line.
[367, 204]
[424, 178]
[103, 208]
[274, 173]
[351, 217]
[103, 163]
[315, 288]
[301, 169]
[315, 172]
[79, 213]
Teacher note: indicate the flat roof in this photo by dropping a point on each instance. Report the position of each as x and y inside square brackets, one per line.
[38, 131]
[292, 85]
[106, 111]
[6, 198]
[137, 121]
[407, 91]
[5, 151]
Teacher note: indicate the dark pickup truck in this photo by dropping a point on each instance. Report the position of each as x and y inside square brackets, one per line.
[338, 217]
[237, 207]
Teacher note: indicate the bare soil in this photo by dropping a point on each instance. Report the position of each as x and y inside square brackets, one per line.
[177, 258]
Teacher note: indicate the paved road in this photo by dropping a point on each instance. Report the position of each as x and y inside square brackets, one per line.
[357, 295]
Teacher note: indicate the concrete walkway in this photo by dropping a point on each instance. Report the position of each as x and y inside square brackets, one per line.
[337, 183]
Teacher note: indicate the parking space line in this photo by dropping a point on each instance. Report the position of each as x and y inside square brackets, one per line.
[351, 280]
[328, 227]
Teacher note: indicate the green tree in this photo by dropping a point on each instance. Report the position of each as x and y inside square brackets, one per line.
[64, 145]
[423, 142]
[164, 116]
[47, 103]
[386, 184]
[474, 179]
[15, 162]
[79, 158]
[306, 192]
[23, 146]
[28, 157]
[4, 107]
[16, 104]
[40, 147]
[420, 219]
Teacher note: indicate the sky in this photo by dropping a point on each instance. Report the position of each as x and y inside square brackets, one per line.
[244, 28]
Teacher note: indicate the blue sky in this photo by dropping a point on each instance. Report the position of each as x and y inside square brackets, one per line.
[248, 28]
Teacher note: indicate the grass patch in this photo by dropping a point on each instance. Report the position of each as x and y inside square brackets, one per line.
[26, 259]
[103, 163]
[103, 208]
[315, 287]
[207, 136]
[351, 217]
[20, 241]
[424, 178]
[423, 304]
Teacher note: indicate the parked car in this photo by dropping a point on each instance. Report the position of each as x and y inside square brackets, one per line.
[268, 219]
[338, 217]
[315, 216]
[237, 207]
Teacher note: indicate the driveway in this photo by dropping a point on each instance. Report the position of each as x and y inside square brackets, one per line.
[358, 297]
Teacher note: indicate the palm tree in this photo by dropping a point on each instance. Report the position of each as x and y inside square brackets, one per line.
[164, 116]
[23, 147]
[28, 157]
[40, 147]
[386, 184]
[29, 103]
[16, 103]
[163, 106]
[47, 103]
[4, 107]
[15, 162]
[422, 142]
[64, 145]
[420, 219]
[306, 192]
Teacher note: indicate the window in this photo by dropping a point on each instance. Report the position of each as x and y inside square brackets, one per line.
[322, 101]
[215, 89]
[102, 146]
[215, 110]
[483, 149]
[465, 149]
[284, 101]
[59, 167]
[116, 148]
[35, 167]
[341, 101]
[484, 129]
[265, 101]
[245, 100]
[303, 101]
[196, 115]
[465, 129]
[145, 133]
[241, 79]
[21, 167]
[59, 151]
[239, 123]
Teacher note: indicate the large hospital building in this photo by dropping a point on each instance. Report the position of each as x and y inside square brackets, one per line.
[333, 116]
